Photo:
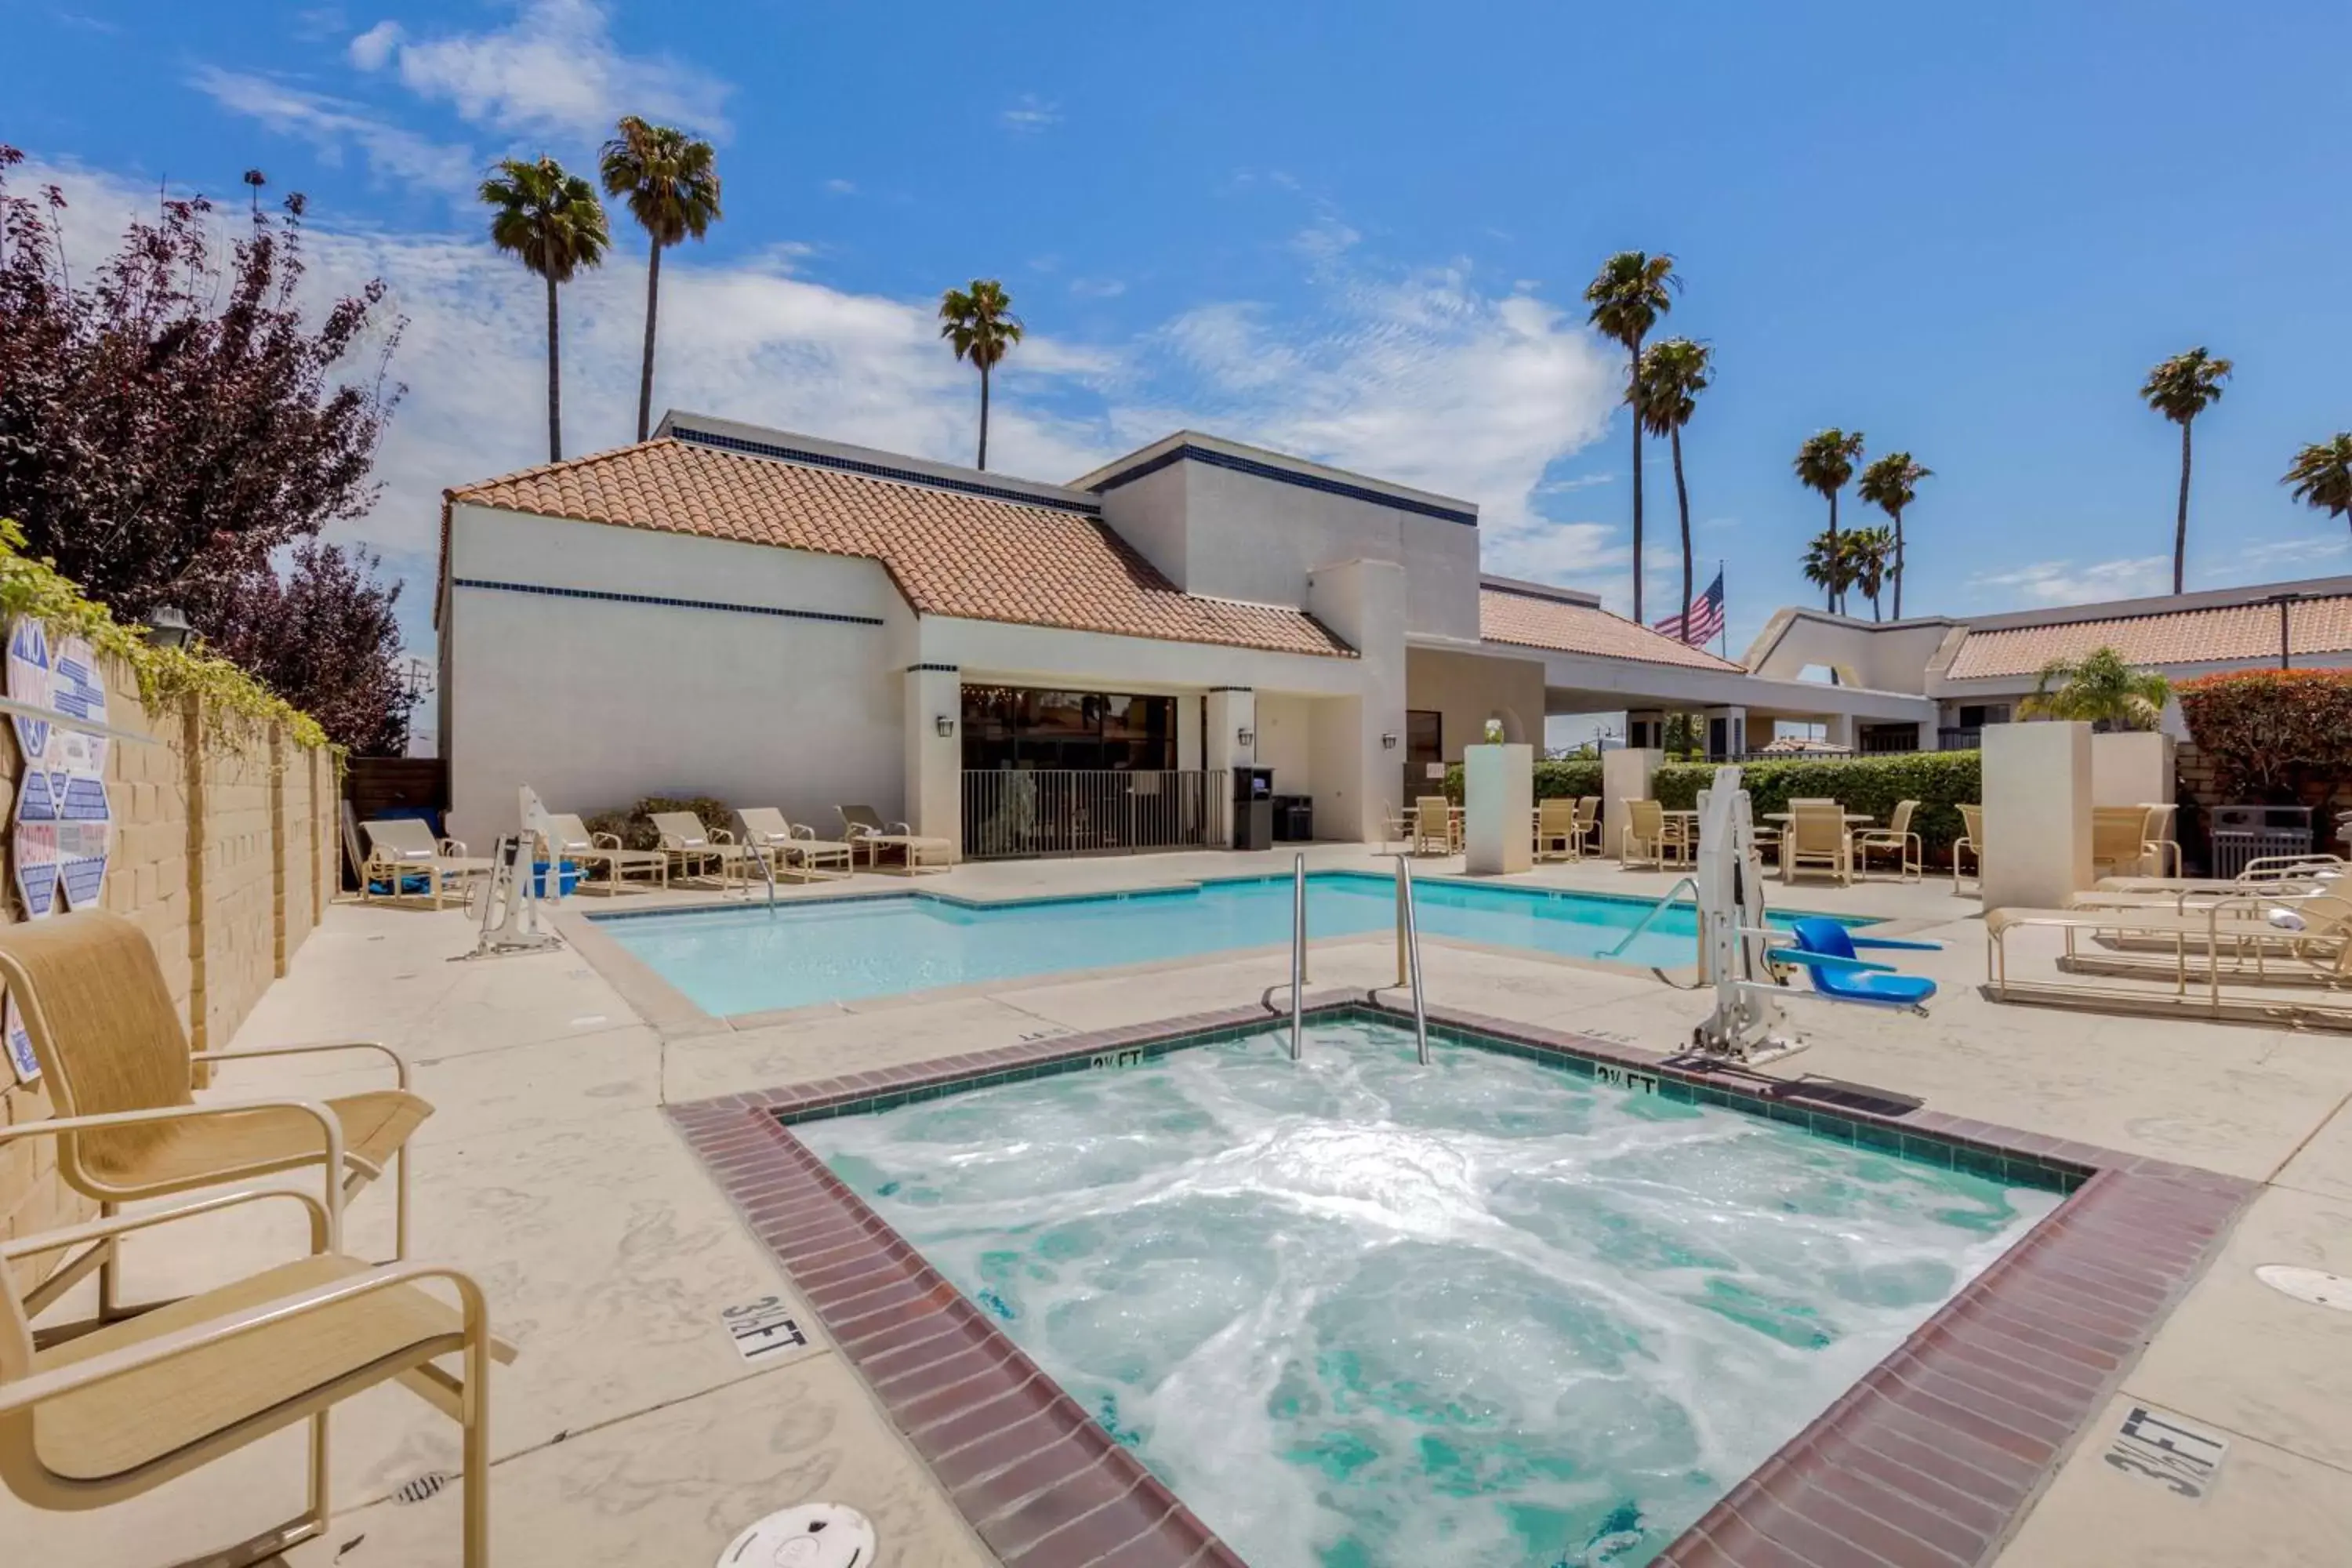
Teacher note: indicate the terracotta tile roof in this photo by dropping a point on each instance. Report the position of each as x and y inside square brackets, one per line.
[1527, 621]
[966, 556]
[2211, 635]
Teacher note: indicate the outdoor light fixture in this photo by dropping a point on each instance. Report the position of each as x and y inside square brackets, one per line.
[946, 726]
[1388, 740]
[167, 626]
[1245, 737]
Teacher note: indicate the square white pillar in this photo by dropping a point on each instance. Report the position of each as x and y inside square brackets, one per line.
[1498, 787]
[2132, 768]
[934, 703]
[2037, 813]
[1625, 775]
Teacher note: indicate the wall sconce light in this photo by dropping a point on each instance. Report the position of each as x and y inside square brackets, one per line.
[945, 725]
[167, 626]
[1245, 737]
[1388, 740]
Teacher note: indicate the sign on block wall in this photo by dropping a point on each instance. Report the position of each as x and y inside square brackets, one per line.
[65, 826]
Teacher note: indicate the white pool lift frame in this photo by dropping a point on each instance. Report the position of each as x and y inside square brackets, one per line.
[512, 921]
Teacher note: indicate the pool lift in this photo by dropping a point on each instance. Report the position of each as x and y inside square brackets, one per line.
[511, 918]
[1748, 961]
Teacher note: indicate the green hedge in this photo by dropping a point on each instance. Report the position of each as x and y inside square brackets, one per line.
[1941, 782]
[1554, 780]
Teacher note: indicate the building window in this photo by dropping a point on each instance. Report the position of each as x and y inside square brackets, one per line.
[1976, 716]
[1027, 728]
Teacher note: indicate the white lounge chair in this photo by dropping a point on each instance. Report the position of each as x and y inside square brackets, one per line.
[695, 850]
[572, 841]
[863, 826]
[793, 848]
[2210, 952]
[400, 847]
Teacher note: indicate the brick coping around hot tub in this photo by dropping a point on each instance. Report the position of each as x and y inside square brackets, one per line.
[1932, 1460]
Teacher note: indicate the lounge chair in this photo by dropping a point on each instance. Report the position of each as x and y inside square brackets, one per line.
[2258, 939]
[1910, 854]
[695, 850]
[574, 842]
[2119, 839]
[862, 825]
[1646, 838]
[120, 1410]
[1817, 835]
[2197, 934]
[1970, 842]
[795, 850]
[1432, 826]
[115, 1061]
[1557, 836]
[401, 848]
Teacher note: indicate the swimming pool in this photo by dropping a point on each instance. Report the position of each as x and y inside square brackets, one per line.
[1361, 1314]
[752, 958]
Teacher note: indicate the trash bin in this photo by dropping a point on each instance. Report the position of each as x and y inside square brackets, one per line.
[1252, 808]
[2243, 834]
[1294, 819]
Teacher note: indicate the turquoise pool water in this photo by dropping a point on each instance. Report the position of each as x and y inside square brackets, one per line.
[1360, 1313]
[752, 959]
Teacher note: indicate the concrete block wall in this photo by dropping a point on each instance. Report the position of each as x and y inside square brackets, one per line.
[222, 857]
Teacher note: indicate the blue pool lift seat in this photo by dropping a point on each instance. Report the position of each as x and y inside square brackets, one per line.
[1826, 951]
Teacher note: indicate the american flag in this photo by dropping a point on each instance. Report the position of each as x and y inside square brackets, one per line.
[1699, 624]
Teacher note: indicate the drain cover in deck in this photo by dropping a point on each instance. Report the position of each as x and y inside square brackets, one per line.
[814, 1536]
[2316, 1286]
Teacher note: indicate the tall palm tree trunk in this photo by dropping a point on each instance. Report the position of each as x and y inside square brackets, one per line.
[1633, 397]
[1834, 596]
[983, 417]
[1898, 565]
[1682, 500]
[645, 377]
[554, 381]
[2180, 522]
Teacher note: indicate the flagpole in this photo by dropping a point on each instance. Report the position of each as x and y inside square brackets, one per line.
[1726, 607]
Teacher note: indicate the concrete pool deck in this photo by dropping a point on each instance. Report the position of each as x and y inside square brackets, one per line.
[632, 1431]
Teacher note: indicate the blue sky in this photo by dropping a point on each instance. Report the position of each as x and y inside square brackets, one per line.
[1357, 232]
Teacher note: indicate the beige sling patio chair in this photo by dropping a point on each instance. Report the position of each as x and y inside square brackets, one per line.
[1588, 839]
[1909, 852]
[119, 1411]
[1817, 835]
[400, 847]
[695, 850]
[795, 850]
[1557, 836]
[1970, 842]
[1645, 838]
[115, 1061]
[574, 842]
[2162, 843]
[1432, 826]
[2119, 839]
[862, 825]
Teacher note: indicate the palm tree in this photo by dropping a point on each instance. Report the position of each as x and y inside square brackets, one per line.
[1674, 373]
[1870, 555]
[1891, 484]
[980, 322]
[2180, 389]
[1824, 463]
[2101, 689]
[554, 221]
[1628, 295]
[2322, 476]
[1829, 565]
[671, 183]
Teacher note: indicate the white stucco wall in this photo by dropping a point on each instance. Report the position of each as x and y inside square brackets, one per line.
[1467, 690]
[595, 703]
[1286, 741]
[1881, 657]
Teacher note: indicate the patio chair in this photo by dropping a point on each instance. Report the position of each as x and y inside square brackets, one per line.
[119, 1411]
[1556, 834]
[401, 848]
[1589, 841]
[1432, 826]
[2161, 842]
[1817, 836]
[862, 825]
[2119, 839]
[572, 841]
[693, 850]
[794, 848]
[115, 1061]
[1910, 854]
[1971, 842]
[1645, 838]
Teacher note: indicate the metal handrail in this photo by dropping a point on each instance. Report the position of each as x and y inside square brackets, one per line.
[759, 853]
[1655, 909]
[1298, 956]
[1409, 946]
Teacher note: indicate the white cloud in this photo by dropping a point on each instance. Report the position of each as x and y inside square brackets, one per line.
[330, 124]
[2298, 553]
[554, 68]
[2063, 583]
[1098, 287]
[1029, 115]
[840, 188]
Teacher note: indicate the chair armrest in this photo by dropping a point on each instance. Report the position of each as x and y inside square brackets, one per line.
[453, 847]
[122, 1224]
[604, 841]
[23, 1394]
[337, 1157]
[722, 835]
[857, 830]
[399, 1063]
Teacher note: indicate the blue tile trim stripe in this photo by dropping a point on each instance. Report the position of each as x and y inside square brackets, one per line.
[667, 603]
[1215, 459]
[880, 470]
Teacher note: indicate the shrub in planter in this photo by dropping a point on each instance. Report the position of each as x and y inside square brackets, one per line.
[1941, 782]
[2273, 736]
